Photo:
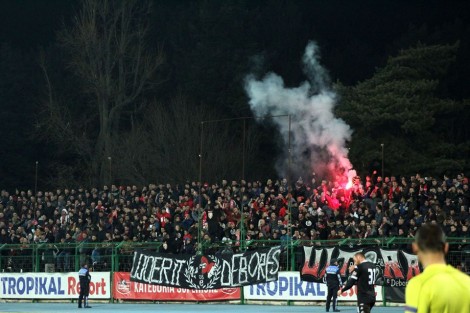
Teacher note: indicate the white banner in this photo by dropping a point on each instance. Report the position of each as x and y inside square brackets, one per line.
[52, 285]
[290, 287]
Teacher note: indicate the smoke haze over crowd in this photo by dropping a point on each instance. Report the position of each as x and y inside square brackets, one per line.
[318, 138]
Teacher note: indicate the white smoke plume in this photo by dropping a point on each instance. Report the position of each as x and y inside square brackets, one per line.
[318, 138]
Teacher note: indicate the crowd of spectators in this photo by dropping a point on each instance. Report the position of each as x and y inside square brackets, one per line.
[374, 207]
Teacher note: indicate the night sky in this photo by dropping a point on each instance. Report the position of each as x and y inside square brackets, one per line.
[363, 32]
[210, 45]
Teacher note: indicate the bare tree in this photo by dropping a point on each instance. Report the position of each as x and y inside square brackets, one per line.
[165, 147]
[112, 63]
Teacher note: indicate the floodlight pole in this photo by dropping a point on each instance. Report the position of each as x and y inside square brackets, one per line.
[36, 179]
[110, 171]
[289, 232]
[382, 145]
[199, 210]
[243, 150]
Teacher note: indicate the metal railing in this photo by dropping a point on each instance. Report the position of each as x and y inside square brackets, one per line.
[50, 257]
[292, 253]
[117, 257]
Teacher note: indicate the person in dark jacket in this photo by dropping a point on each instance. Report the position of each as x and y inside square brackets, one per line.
[85, 278]
[333, 281]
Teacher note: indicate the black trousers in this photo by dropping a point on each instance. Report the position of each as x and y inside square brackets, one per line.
[331, 295]
[84, 291]
[365, 307]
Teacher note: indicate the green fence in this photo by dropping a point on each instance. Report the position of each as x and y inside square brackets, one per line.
[117, 257]
[293, 254]
[48, 257]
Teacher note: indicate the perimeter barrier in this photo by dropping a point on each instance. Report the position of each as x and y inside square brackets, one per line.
[49, 271]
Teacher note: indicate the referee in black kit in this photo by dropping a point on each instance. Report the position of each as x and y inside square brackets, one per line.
[364, 275]
[333, 281]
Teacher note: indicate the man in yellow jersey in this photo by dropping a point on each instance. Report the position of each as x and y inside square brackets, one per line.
[440, 288]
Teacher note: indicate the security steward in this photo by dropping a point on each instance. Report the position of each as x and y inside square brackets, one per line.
[333, 281]
[85, 279]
